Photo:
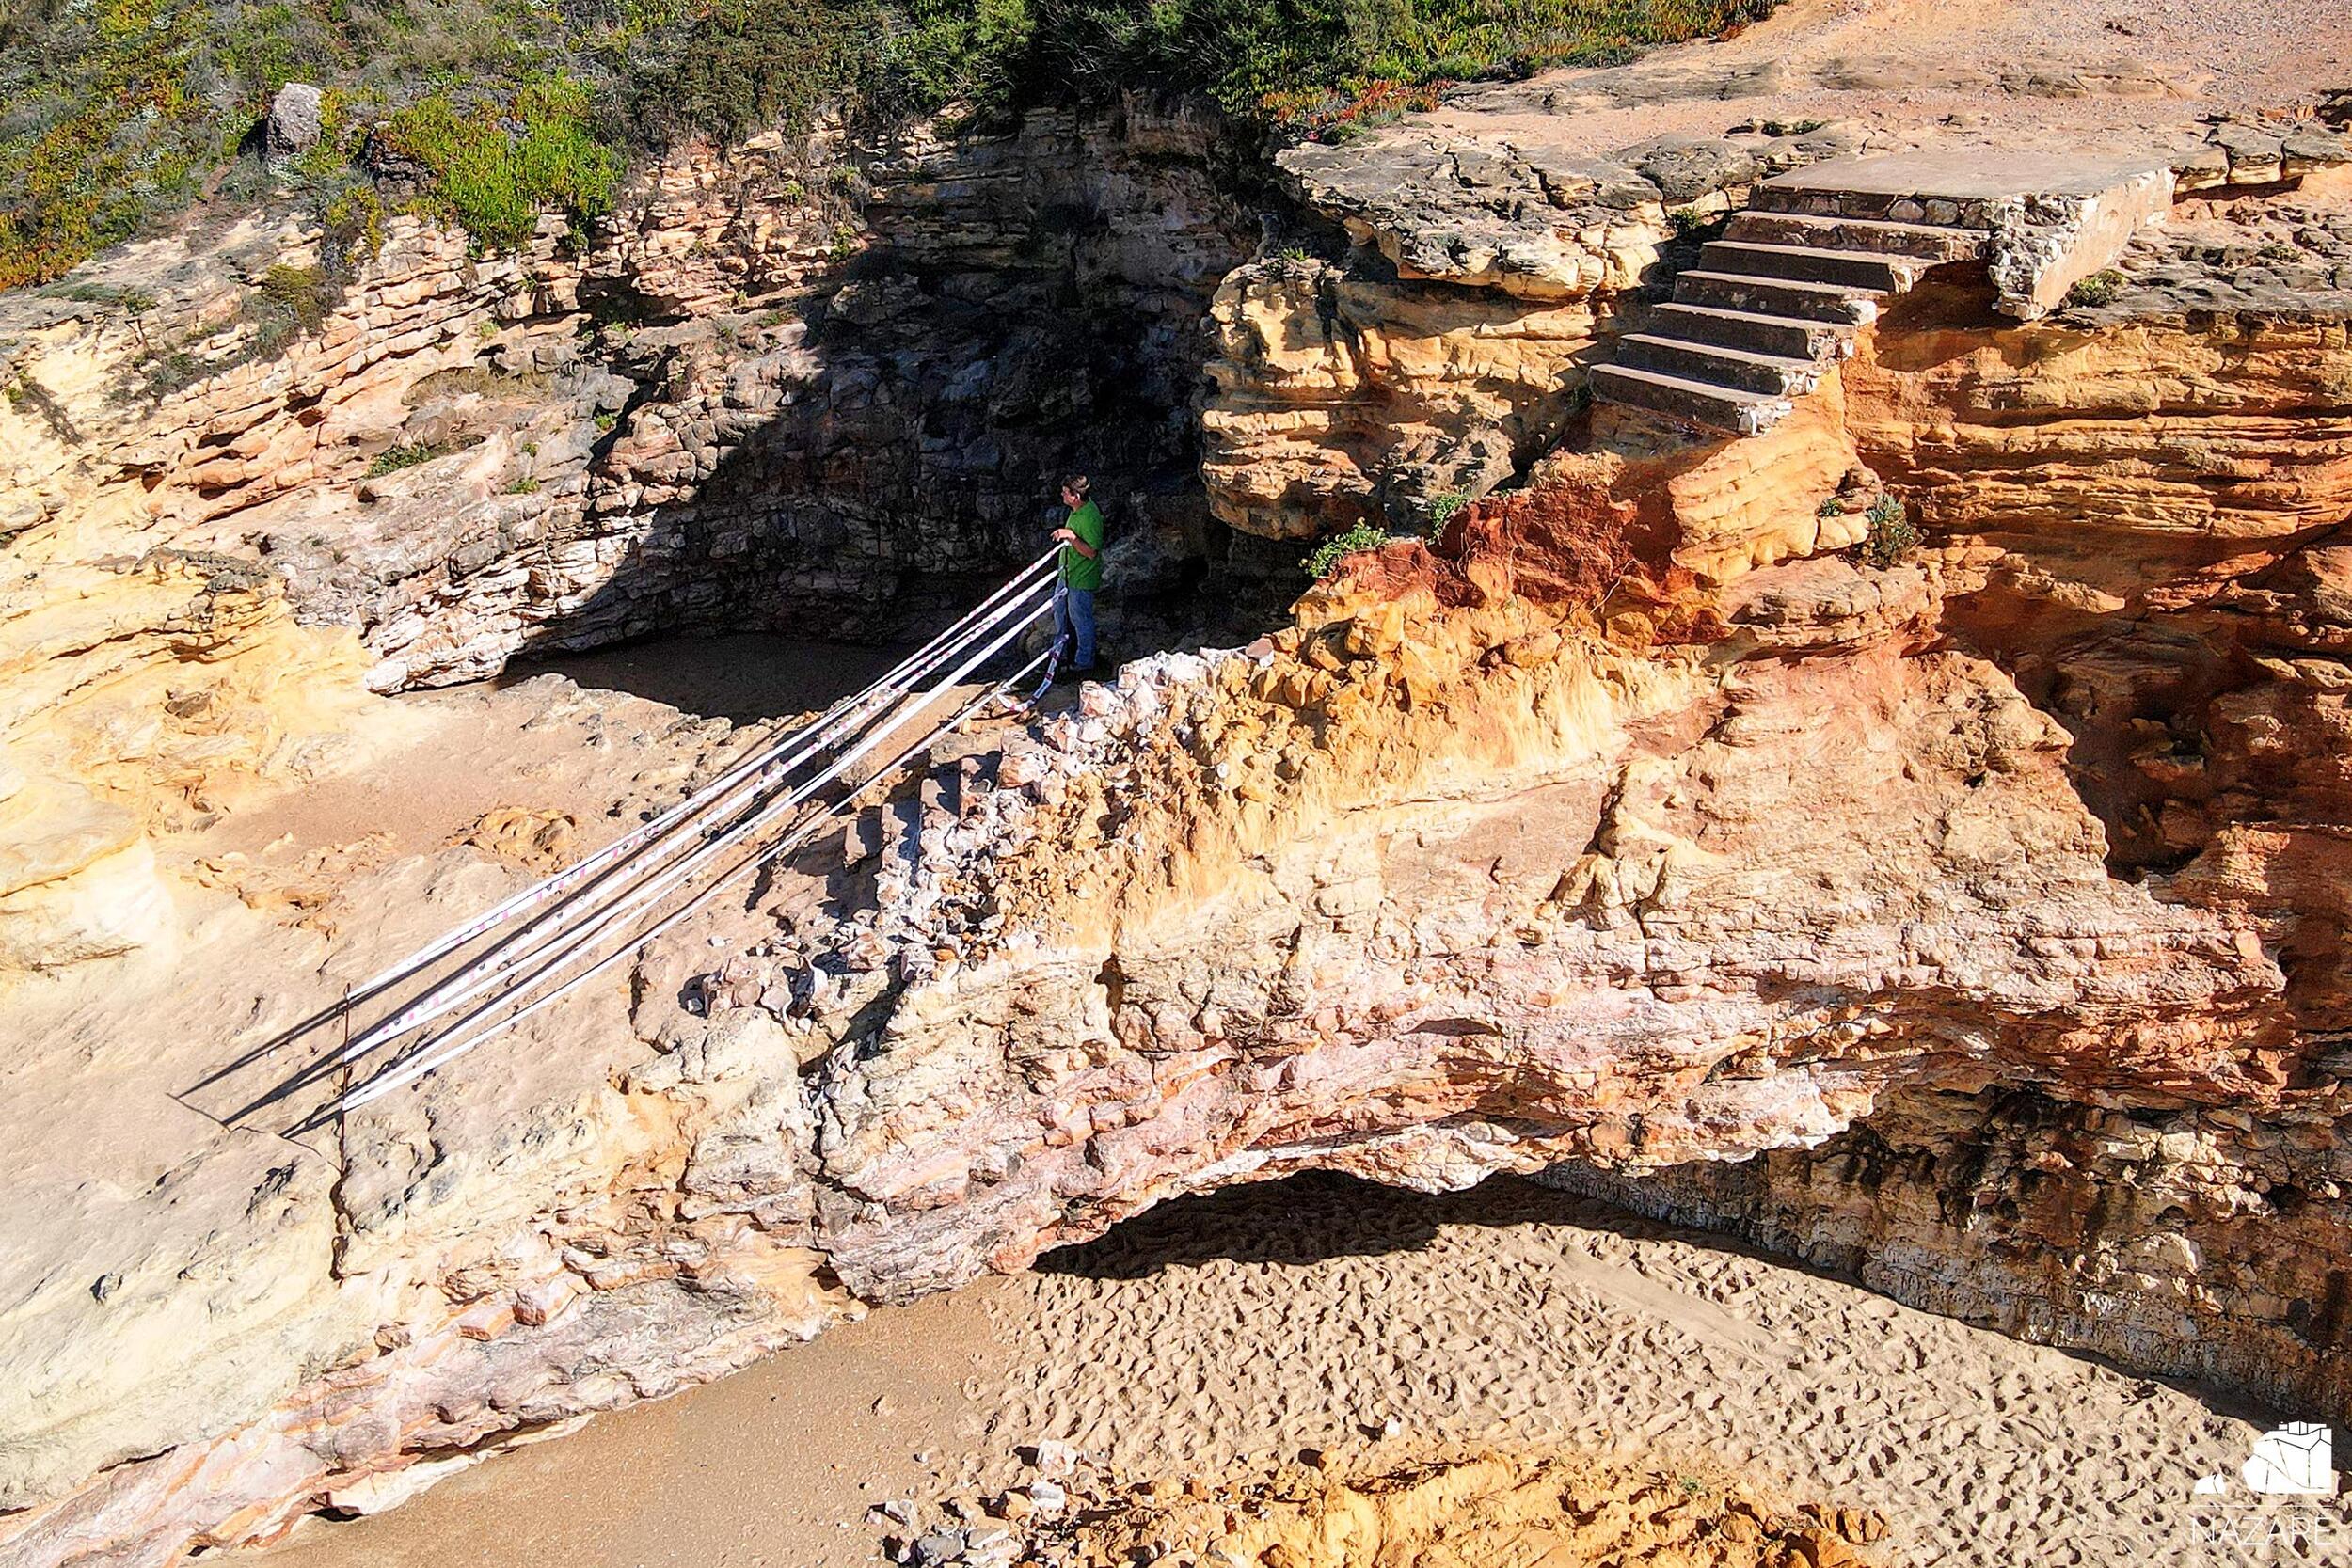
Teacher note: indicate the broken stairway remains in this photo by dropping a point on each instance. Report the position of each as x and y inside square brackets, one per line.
[899, 837]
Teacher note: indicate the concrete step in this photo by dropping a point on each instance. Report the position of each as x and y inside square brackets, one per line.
[1754, 332]
[1787, 194]
[1773, 374]
[901, 847]
[862, 837]
[1851, 269]
[1921, 242]
[1724, 408]
[941, 795]
[1777, 296]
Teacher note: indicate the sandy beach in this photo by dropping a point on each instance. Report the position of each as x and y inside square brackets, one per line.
[1222, 1337]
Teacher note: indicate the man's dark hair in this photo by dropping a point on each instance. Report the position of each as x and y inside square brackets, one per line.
[1076, 485]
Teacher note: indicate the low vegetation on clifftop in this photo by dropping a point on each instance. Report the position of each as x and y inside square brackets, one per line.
[122, 113]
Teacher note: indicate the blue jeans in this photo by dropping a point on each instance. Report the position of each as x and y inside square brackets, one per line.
[1073, 619]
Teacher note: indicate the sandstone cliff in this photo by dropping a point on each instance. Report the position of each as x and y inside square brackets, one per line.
[803, 383]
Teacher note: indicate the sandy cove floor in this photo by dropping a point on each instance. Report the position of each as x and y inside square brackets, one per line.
[1224, 1334]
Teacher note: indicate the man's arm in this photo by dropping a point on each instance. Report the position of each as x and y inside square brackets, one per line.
[1064, 536]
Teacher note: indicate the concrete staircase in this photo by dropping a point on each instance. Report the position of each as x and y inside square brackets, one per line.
[1772, 303]
[897, 836]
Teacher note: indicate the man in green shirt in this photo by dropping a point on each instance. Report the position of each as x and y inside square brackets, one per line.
[1081, 540]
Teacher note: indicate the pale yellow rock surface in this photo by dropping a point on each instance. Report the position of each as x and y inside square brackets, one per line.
[1329, 384]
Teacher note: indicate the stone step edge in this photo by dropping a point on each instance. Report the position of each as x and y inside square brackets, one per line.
[1773, 247]
[1841, 290]
[1941, 234]
[1723, 409]
[1744, 356]
[1704, 321]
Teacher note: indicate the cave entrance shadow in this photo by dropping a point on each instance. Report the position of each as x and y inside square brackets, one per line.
[858, 457]
[1318, 1215]
[744, 677]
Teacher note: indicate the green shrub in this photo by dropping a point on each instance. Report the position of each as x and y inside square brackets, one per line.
[1689, 223]
[1303, 62]
[353, 216]
[1441, 507]
[121, 112]
[285, 304]
[299, 296]
[2100, 287]
[1891, 540]
[130, 302]
[267, 46]
[1363, 536]
[101, 129]
[158, 373]
[496, 166]
[728, 67]
[392, 459]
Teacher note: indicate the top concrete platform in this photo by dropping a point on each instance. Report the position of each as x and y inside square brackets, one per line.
[1972, 173]
[2055, 217]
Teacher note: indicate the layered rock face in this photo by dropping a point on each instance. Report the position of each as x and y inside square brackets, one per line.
[801, 385]
[735, 412]
[1448, 880]
[1443, 354]
[2014, 858]
[2203, 1242]
[2139, 512]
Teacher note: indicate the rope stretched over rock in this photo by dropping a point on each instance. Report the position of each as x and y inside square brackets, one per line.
[544, 928]
[438, 1054]
[871, 704]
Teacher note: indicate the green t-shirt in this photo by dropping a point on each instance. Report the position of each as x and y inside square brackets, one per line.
[1077, 570]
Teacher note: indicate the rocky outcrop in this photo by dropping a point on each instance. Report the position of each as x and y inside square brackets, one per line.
[1341, 398]
[2139, 508]
[146, 692]
[2204, 1241]
[1548, 967]
[1450, 347]
[2147, 699]
[1444, 881]
[687, 426]
[2151, 492]
[1519, 214]
[1478, 1510]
